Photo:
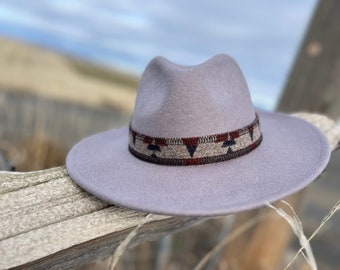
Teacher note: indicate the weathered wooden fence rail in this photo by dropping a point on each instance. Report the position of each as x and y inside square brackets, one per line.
[47, 222]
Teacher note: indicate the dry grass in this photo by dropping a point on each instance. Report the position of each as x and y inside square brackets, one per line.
[305, 242]
[32, 69]
[36, 153]
[296, 225]
[124, 244]
[294, 222]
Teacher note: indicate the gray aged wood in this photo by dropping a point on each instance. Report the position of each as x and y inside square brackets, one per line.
[314, 81]
[48, 222]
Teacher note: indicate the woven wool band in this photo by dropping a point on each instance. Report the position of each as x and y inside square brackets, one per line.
[195, 150]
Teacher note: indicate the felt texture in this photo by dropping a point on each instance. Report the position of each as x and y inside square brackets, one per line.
[292, 154]
[182, 101]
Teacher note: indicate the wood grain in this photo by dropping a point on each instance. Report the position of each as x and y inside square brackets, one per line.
[314, 81]
[47, 222]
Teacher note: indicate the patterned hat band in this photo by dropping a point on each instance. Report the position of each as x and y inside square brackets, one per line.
[196, 150]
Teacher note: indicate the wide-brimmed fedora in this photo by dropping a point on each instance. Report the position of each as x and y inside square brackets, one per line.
[196, 146]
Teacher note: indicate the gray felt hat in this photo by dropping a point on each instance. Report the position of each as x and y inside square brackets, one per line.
[196, 146]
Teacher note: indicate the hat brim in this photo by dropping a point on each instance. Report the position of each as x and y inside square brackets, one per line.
[292, 154]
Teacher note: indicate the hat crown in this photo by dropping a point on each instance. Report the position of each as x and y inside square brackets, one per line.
[187, 101]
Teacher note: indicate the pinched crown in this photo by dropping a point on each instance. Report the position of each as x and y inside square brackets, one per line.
[189, 115]
[188, 101]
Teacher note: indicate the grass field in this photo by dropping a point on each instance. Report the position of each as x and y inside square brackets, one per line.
[32, 69]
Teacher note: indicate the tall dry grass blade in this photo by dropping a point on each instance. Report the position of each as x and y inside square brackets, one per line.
[124, 244]
[229, 238]
[335, 208]
[297, 228]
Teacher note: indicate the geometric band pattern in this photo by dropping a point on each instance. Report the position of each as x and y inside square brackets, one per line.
[195, 150]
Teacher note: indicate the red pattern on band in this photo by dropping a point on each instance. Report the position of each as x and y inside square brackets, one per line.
[155, 146]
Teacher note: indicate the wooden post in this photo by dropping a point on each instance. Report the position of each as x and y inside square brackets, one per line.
[313, 85]
[314, 82]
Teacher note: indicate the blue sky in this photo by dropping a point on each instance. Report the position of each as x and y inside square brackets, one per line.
[263, 36]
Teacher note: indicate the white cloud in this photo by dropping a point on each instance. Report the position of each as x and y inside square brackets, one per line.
[262, 35]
